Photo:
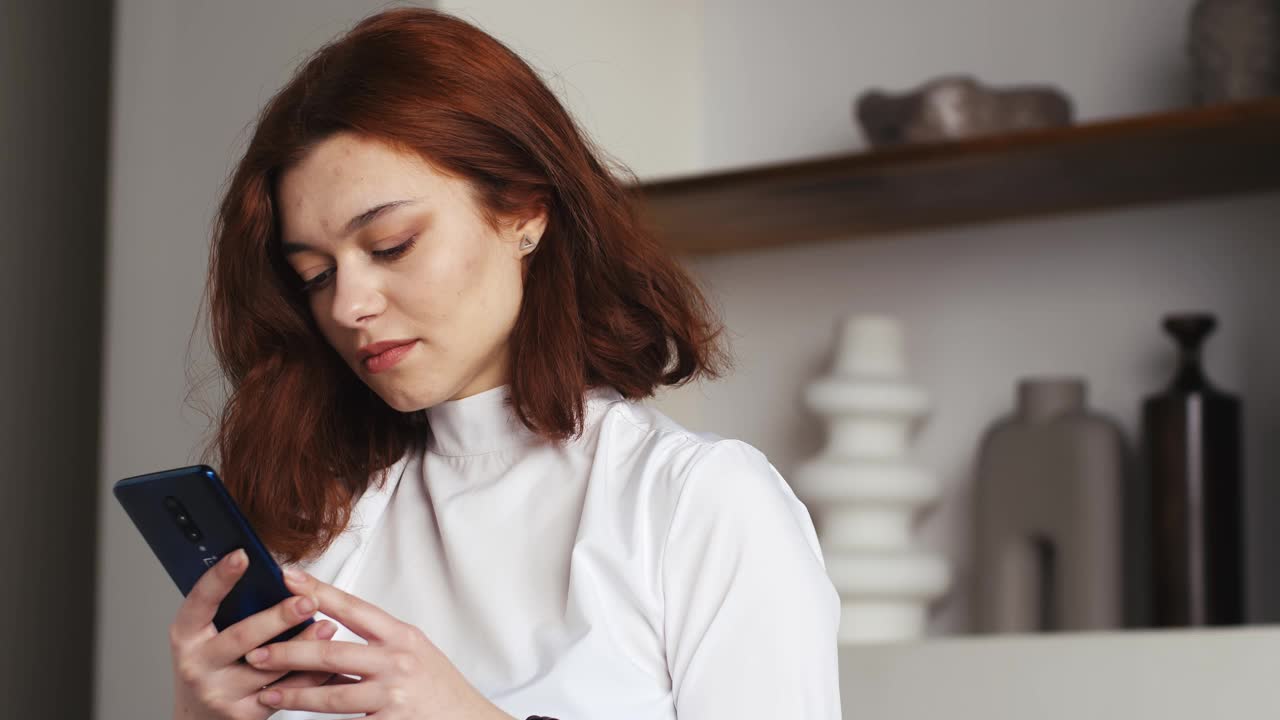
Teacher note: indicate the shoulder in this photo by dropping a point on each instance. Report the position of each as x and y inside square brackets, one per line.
[643, 444]
[741, 575]
[637, 423]
[699, 479]
[655, 439]
[731, 493]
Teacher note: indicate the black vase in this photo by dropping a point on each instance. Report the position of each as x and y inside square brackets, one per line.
[1192, 438]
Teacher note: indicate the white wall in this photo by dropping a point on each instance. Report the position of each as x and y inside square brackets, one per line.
[982, 305]
[781, 77]
[1081, 295]
[629, 72]
[189, 79]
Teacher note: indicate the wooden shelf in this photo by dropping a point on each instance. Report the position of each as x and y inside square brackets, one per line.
[1194, 153]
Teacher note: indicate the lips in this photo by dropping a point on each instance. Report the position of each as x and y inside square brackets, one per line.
[382, 356]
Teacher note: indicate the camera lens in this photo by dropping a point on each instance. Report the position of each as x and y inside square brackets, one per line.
[193, 534]
[183, 519]
[172, 503]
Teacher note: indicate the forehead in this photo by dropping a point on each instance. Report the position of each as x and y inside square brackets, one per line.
[343, 176]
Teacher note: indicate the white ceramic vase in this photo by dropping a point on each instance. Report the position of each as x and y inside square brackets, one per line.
[864, 490]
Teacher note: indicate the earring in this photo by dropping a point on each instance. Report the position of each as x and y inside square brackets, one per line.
[526, 243]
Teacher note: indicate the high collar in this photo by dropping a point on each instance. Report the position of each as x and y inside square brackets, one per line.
[486, 422]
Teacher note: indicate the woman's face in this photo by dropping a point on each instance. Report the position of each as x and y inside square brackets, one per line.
[427, 271]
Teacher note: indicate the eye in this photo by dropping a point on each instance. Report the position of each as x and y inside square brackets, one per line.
[317, 282]
[392, 253]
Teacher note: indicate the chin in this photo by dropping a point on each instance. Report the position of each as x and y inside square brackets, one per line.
[405, 407]
[407, 401]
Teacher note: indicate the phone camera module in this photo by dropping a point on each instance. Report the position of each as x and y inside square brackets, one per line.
[182, 519]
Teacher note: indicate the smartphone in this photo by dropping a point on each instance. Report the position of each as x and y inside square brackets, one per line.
[190, 521]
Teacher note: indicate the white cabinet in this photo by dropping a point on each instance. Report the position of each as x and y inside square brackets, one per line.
[1170, 675]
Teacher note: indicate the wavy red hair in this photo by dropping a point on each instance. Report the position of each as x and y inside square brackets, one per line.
[300, 437]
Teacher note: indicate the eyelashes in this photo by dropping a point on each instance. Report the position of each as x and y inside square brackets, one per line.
[390, 254]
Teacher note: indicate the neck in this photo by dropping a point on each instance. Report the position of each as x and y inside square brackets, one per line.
[492, 376]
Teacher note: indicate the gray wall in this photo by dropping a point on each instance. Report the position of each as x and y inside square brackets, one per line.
[189, 79]
[54, 59]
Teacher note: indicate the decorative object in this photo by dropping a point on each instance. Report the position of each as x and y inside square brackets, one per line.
[1049, 493]
[955, 107]
[1235, 50]
[1192, 438]
[864, 489]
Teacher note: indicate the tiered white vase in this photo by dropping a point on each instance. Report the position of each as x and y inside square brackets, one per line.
[864, 490]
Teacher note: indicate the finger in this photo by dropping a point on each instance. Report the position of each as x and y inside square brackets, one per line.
[306, 678]
[233, 642]
[245, 681]
[360, 697]
[336, 656]
[364, 619]
[202, 602]
[322, 630]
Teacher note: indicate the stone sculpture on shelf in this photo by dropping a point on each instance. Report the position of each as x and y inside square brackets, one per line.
[1235, 50]
[955, 107]
[864, 490]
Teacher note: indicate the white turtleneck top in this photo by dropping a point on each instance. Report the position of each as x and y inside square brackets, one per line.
[637, 572]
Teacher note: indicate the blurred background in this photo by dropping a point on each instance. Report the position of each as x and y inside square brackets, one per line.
[121, 119]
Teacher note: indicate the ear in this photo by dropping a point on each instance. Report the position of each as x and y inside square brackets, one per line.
[532, 226]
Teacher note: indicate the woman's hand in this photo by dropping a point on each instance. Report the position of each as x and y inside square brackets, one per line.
[403, 675]
[209, 682]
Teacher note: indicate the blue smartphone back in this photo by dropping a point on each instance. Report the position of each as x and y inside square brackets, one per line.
[190, 521]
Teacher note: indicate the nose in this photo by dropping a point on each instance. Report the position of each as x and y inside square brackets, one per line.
[357, 296]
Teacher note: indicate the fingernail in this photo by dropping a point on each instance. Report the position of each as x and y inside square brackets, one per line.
[326, 631]
[306, 605]
[271, 697]
[257, 655]
[238, 559]
[295, 574]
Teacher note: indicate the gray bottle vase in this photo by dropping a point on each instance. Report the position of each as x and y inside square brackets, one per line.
[1050, 496]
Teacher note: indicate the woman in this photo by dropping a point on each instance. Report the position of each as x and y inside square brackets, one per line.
[438, 313]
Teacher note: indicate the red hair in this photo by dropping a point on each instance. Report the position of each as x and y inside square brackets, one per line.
[301, 437]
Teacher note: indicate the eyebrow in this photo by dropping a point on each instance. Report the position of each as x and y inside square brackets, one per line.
[354, 224]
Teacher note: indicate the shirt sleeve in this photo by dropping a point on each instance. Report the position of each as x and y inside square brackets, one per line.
[750, 614]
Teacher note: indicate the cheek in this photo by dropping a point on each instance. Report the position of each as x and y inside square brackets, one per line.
[439, 286]
[497, 286]
[466, 285]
